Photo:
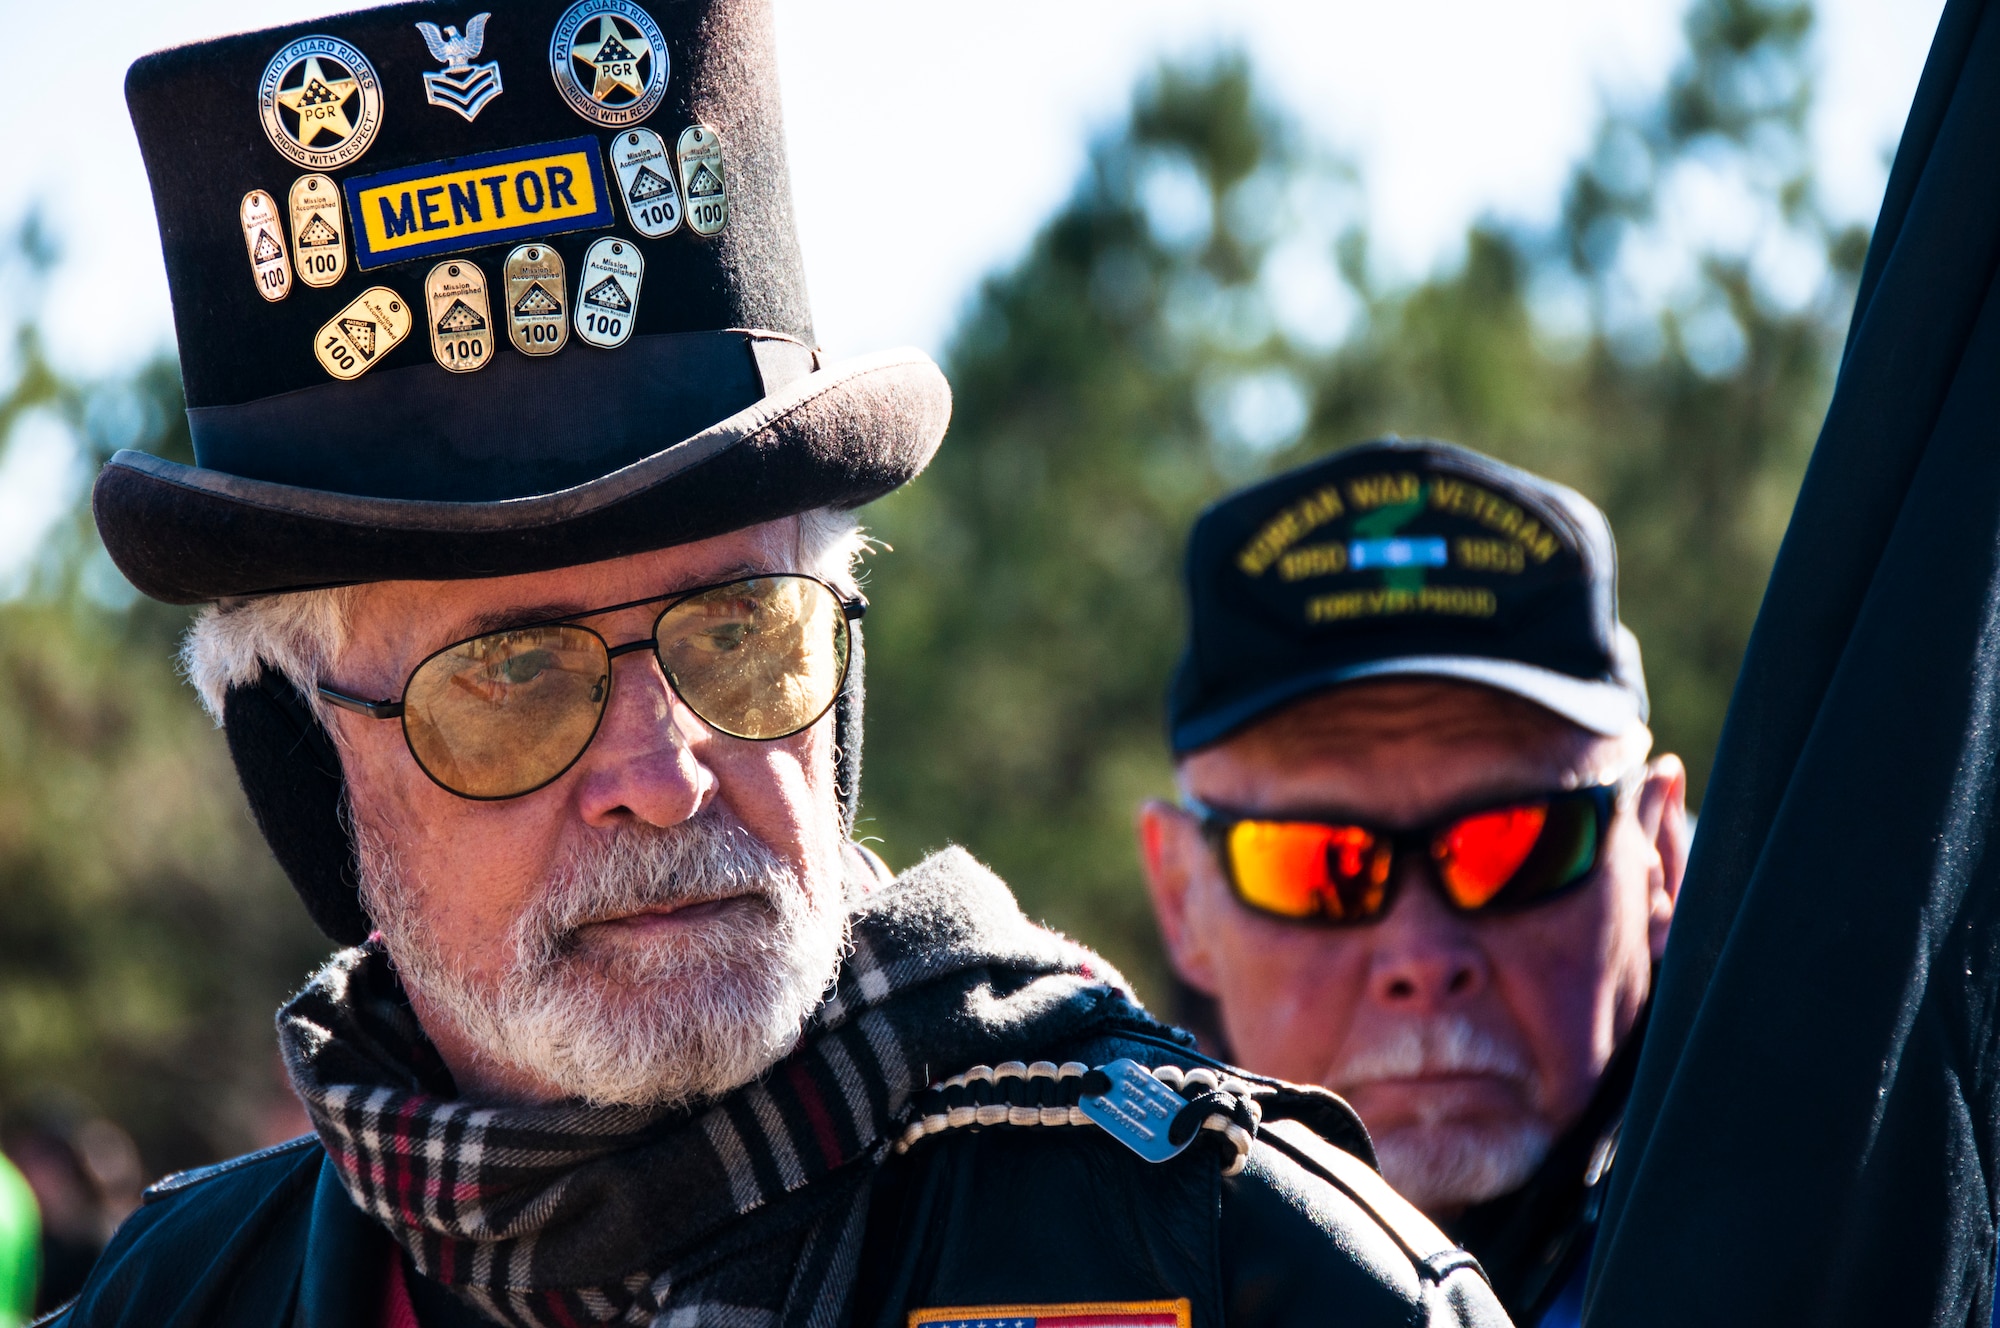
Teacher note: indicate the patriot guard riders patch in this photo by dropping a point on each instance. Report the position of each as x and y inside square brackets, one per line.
[320, 102]
[610, 61]
[1072, 1314]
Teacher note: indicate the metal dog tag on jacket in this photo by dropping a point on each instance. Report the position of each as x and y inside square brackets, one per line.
[1136, 1110]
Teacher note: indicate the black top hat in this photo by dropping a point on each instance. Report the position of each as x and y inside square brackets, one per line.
[465, 293]
[1402, 559]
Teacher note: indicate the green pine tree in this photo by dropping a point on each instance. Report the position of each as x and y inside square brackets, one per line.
[1028, 621]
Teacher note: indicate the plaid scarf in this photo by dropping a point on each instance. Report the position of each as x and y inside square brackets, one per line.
[743, 1212]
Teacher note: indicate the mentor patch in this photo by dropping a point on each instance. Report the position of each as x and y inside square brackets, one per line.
[446, 206]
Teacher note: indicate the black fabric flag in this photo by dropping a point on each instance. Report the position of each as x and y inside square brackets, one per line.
[1812, 1134]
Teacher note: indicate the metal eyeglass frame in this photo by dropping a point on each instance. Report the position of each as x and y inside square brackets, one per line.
[851, 611]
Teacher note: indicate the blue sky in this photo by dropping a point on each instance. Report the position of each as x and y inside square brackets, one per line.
[980, 116]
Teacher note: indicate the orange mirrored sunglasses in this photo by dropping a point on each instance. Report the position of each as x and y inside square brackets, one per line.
[1342, 873]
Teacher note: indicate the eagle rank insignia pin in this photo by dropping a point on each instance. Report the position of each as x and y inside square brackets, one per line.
[646, 179]
[700, 154]
[461, 85]
[318, 235]
[460, 318]
[537, 322]
[362, 333]
[607, 300]
[264, 237]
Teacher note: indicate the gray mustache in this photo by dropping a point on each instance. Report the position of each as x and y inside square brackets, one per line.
[699, 861]
[1448, 1044]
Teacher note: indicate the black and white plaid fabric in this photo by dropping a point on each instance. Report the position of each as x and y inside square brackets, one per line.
[746, 1212]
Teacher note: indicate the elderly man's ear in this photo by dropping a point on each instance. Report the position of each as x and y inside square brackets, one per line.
[1176, 859]
[1663, 820]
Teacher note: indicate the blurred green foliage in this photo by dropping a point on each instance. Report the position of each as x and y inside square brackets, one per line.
[145, 934]
[1202, 311]
[1157, 346]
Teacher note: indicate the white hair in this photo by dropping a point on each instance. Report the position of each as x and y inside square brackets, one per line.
[302, 634]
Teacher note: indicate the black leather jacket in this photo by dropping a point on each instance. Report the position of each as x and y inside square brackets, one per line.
[972, 1219]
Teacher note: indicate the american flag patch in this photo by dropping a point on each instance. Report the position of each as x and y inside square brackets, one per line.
[1074, 1314]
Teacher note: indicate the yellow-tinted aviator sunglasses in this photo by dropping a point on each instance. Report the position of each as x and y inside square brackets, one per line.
[505, 713]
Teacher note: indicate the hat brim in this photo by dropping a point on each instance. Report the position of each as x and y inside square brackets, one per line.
[1600, 706]
[838, 437]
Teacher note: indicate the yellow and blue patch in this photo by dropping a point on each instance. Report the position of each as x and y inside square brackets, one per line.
[1066, 1314]
[443, 207]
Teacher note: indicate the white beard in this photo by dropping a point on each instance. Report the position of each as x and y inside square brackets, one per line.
[1436, 1162]
[1443, 1167]
[687, 1018]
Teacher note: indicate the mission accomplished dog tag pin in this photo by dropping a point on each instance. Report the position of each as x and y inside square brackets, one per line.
[646, 180]
[1136, 1110]
[702, 180]
[537, 322]
[607, 300]
[362, 333]
[264, 237]
[318, 234]
[461, 319]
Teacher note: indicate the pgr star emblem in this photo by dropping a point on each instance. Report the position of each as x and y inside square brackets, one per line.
[614, 61]
[320, 102]
[609, 59]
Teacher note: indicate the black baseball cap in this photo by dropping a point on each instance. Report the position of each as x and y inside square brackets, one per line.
[1402, 558]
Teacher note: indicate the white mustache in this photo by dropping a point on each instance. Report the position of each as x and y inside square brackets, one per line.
[1445, 1045]
[708, 858]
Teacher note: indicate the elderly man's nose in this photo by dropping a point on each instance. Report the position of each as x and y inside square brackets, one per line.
[643, 764]
[1425, 959]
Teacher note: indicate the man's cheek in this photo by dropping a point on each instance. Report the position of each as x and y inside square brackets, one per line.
[1302, 996]
[1552, 997]
[477, 889]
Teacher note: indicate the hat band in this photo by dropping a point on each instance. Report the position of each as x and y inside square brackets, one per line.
[519, 428]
